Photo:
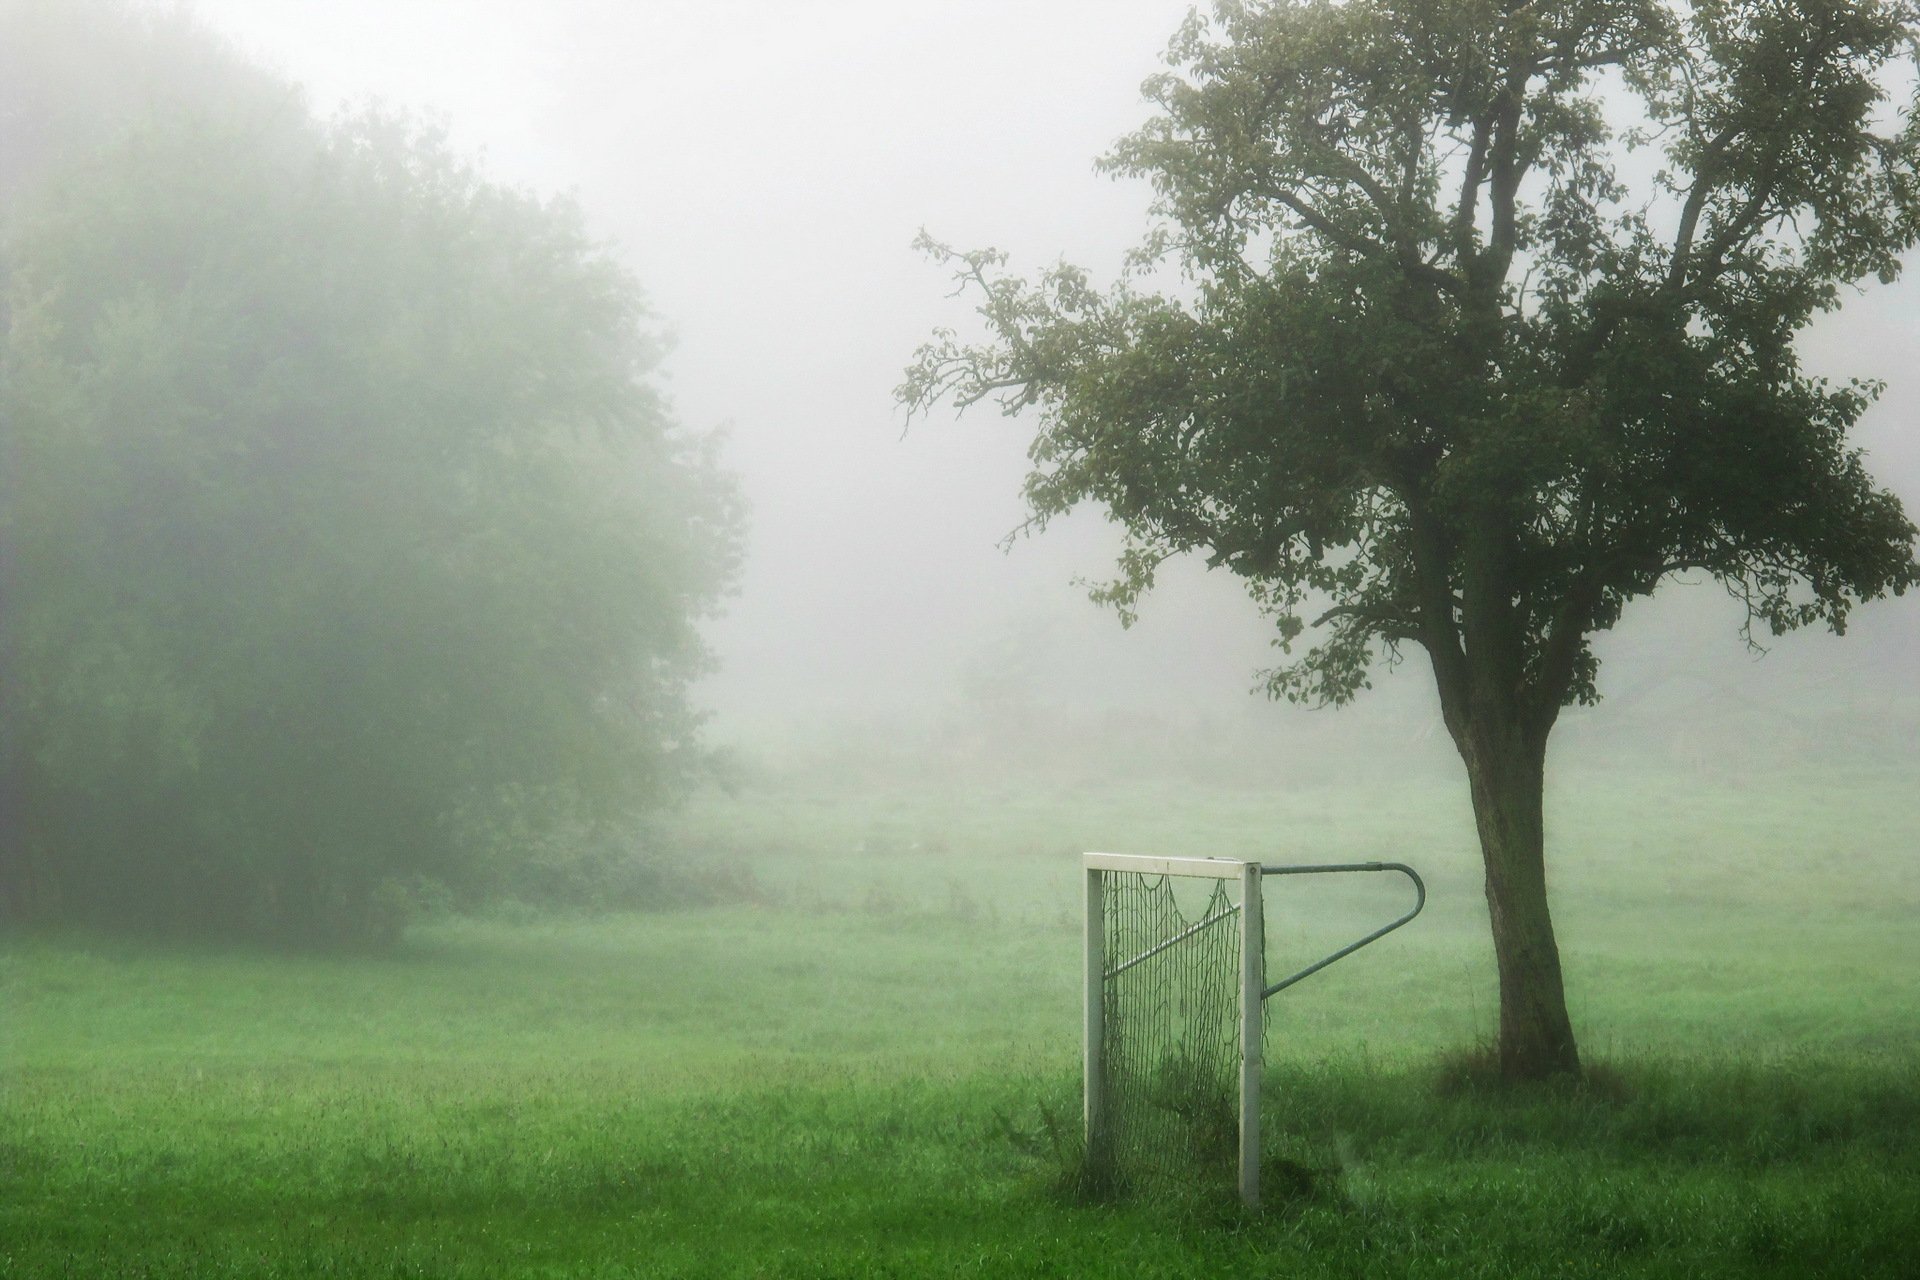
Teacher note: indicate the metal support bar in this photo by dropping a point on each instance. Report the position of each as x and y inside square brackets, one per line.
[1181, 936]
[1420, 900]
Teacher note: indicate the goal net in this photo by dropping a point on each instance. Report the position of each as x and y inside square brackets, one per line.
[1175, 977]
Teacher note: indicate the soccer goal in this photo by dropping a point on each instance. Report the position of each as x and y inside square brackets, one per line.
[1176, 991]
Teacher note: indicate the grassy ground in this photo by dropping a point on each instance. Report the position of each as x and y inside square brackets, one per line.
[865, 1065]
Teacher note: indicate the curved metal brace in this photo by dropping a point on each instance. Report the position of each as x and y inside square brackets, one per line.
[1420, 900]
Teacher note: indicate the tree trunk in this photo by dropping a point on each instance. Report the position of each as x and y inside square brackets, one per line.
[1507, 769]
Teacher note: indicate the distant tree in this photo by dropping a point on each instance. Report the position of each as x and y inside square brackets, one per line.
[1484, 328]
[347, 544]
[75, 73]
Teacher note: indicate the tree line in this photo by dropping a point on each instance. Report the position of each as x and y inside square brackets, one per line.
[351, 554]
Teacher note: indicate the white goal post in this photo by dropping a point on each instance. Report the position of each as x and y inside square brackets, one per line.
[1130, 909]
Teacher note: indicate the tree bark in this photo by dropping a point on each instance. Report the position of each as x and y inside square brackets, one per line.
[1506, 767]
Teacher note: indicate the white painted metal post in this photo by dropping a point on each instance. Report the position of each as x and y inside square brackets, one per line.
[1253, 986]
[1095, 1017]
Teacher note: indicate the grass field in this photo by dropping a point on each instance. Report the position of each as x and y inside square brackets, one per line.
[860, 1064]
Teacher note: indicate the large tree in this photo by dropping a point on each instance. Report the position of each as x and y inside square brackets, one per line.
[348, 544]
[1481, 325]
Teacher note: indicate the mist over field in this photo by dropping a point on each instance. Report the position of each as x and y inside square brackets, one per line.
[522, 757]
[764, 167]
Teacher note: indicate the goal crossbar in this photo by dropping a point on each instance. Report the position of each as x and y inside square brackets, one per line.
[1147, 865]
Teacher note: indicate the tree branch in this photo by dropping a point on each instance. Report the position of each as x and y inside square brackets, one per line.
[1439, 633]
[1464, 214]
[1378, 619]
[1575, 619]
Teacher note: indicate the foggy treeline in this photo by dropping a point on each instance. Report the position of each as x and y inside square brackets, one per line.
[350, 553]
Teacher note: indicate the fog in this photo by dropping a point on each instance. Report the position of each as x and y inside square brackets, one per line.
[764, 166]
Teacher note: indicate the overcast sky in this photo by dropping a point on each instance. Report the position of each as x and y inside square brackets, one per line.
[764, 167]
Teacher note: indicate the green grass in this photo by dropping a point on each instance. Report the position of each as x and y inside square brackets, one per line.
[867, 1065]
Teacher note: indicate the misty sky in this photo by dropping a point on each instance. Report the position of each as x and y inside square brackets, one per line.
[764, 166]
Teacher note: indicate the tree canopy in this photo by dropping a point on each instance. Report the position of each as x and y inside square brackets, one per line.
[1463, 324]
[348, 542]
